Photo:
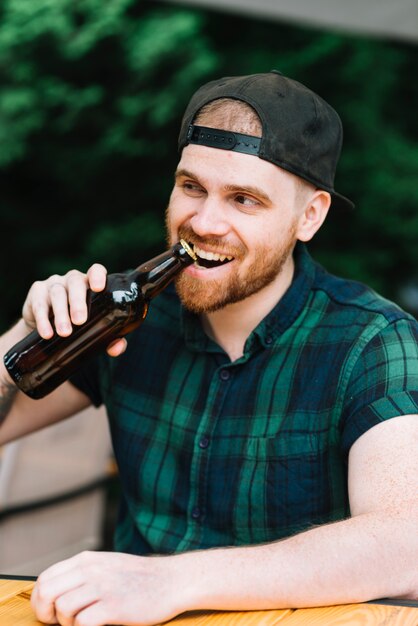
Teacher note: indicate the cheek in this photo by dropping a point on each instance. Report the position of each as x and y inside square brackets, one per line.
[179, 208]
[257, 236]
[268, 238]
[171, 223]
[173, 213]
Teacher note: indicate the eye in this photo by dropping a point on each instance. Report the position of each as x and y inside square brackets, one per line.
[246, 201]
[191, 188]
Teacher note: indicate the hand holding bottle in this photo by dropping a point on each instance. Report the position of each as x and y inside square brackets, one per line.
[59, 302]
[115, 305]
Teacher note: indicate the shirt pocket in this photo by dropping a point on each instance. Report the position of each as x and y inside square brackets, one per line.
[276, 486]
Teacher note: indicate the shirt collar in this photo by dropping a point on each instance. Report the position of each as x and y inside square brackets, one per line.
[289, 307]
[280, 318]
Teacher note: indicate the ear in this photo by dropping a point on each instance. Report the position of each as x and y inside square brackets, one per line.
[314, 214]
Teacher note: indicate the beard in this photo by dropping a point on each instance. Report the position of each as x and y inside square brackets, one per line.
[207, 296]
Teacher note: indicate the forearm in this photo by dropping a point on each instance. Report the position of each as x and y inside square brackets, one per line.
[8, 392]
[8, 389]
[365, 557]
[349, 561]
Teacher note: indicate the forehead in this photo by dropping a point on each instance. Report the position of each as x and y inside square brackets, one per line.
[216, 166]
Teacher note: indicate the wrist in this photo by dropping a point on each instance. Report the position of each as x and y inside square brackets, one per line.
[8, 340]
[17, 332]
[238, 578]
[211, 579]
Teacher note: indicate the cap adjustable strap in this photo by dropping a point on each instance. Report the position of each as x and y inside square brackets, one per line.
[224, 139]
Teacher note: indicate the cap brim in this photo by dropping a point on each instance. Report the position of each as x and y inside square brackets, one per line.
[341, 203]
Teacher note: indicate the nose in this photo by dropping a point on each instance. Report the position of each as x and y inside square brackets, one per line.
[210, 218]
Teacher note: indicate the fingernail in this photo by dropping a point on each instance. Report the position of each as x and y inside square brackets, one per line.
[79, 317]
[46, 333]
[65, 329]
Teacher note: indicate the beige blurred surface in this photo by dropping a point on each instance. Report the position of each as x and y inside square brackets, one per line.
[398, 20]
[67, 462]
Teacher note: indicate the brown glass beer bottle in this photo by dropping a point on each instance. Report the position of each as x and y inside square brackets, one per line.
[38, 365]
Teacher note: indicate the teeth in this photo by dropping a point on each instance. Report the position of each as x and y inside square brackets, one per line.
[211, 256]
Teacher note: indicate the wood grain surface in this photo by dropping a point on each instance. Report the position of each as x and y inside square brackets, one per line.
[232, 618]
[354, 615]
[15, 610]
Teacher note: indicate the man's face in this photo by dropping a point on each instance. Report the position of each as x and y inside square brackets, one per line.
[239, 213]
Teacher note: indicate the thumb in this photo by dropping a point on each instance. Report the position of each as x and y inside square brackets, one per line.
[117, 347]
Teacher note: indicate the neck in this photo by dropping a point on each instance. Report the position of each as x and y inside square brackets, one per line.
[231, 326]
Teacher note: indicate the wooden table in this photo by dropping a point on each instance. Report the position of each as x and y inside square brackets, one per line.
[15, 610]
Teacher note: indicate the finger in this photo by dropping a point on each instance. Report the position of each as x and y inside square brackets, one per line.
[95, 615]
[51, 618]
[77, 290]
[96, 276]
[70, 604]
[117, 347]
[47, 591]
[58, 297]
[45, 613]
[36, 309]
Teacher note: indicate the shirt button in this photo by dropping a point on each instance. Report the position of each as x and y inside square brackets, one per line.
[224, 374]
[269, 340]
[204, 442]
[196, 512]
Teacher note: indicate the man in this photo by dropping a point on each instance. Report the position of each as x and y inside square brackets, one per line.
[272, 415]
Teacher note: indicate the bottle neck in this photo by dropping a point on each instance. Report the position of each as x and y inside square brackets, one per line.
[154, 275]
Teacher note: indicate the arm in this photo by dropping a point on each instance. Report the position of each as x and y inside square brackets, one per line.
[373, 554]
[19, 414]
[65, 297]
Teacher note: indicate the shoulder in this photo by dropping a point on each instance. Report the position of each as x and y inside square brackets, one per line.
[376, 335]
[355, 304]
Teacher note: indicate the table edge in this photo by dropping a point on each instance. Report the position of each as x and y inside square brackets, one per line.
[17, 577]
[385, 601]
[394, 602]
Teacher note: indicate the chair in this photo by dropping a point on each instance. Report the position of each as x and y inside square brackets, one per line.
[52, 493]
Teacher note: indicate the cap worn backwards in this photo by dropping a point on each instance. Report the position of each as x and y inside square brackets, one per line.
[300, 131]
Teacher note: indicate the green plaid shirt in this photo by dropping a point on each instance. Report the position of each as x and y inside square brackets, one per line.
[214, 453]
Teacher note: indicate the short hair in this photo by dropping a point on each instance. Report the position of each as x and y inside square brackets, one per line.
[230, 114]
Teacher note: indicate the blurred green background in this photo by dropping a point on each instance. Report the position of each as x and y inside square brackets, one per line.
[91, 94]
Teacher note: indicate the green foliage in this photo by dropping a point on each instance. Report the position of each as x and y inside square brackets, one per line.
[90, 97]
[90, 101]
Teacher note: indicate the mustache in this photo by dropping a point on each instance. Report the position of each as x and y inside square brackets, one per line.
[187, 233]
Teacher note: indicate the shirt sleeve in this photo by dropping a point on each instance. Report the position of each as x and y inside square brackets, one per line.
[87, 379]
[384, 381]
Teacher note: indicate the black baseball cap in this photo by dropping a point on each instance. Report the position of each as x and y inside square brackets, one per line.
[301, 133]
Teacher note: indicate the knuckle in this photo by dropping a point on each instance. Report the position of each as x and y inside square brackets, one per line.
[85, 557]
[62, 608]
[75, 275]
[56, 288]
[54, 278]
[43, 597]
[38, 307]
[78, 308]
[37, 290]
[38, 284]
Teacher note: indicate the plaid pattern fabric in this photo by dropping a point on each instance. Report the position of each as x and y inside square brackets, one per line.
[214, 453]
